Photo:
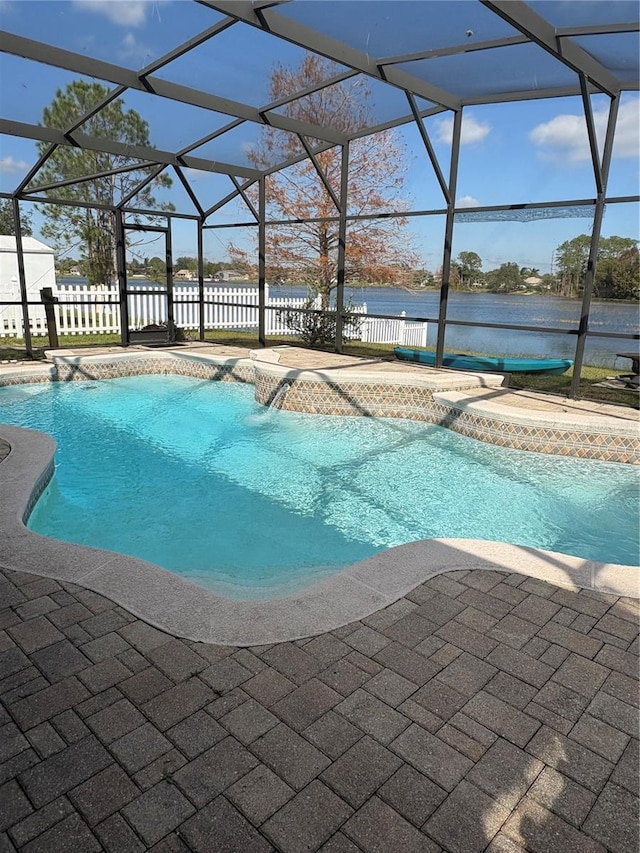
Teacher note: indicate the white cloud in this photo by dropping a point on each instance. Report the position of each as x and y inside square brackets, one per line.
[194, 175]
[627, 138]
[467, 201]
[472, 130]
[128, 46]
[564, 138]
[10, 166]
[127, 13]
[131, 50]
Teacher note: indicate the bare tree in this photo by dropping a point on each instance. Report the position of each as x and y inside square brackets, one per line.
[377, 250]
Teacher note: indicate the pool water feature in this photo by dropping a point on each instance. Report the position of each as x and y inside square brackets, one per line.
[185, 473]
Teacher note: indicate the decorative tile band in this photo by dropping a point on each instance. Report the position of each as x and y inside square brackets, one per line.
[562, 442]
[365, 397]
[326, 397]
[198, 369]
[377, 399]
[25, 379]
[84, 370]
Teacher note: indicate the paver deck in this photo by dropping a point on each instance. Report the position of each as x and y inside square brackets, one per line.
[483, 711]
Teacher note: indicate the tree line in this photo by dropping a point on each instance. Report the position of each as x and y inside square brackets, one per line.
[617, 273]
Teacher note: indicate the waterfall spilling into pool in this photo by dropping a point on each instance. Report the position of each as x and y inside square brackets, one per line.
[190, 475]
[279, 395]
[265, 414]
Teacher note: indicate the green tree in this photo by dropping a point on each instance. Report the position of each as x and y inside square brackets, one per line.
[615, 247]
[136, 266]
[571, 263]
[423, 278]
[186, 263]
[549, 282]
[377, 250]
[93, 229]
[7, 222]
[505, 279]
[530, 272]
[618, 277]
[156, 270]
[65, 265]
[572, 256]
[469, 266]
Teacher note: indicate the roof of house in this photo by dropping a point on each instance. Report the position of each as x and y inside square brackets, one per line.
[29, 244]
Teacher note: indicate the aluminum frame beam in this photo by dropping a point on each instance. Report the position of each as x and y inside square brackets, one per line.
[523, 18]
[262, 263]
[320, 172]
[187, 186]
[454, 50]
[270, 21]
[598, 29]
[84, 178]
[342, 246]
[429, 148]
[448, 236]
[22, 278]
[186, 46]
[241, 192]
[589, 278]
[108, 146]
[59, 58]
[591, 134]
[134, 192]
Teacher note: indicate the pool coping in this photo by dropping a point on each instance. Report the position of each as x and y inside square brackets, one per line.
[174, 604]
[477, 394]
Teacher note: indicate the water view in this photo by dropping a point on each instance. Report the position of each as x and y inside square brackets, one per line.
[613, 317]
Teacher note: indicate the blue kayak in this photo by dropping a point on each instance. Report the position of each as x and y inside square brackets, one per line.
[487, 363]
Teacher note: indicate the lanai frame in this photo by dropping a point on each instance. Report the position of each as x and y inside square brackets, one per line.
[592, 77]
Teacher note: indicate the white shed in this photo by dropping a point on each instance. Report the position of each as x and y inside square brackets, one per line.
[39, 267]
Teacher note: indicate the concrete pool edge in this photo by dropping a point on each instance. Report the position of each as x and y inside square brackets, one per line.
[177, 606]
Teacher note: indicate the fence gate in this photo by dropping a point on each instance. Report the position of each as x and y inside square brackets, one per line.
[149, 293]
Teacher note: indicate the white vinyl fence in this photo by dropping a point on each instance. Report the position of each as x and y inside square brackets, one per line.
[101, 314]
[407, 333]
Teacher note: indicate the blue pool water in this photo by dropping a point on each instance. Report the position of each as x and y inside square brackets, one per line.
[198, 478]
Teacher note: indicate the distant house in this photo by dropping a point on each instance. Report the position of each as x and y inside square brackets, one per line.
[184, 275]
[232, 275]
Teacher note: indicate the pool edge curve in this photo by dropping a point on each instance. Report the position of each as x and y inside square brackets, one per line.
[180, 607]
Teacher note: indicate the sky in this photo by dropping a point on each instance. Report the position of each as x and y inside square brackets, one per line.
[519, 152]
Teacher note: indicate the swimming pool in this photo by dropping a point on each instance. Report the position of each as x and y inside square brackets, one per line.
[198, 478]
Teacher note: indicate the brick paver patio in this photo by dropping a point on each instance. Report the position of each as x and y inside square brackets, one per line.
[483, 711]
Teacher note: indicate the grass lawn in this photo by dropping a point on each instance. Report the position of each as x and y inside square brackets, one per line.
[560, 385]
